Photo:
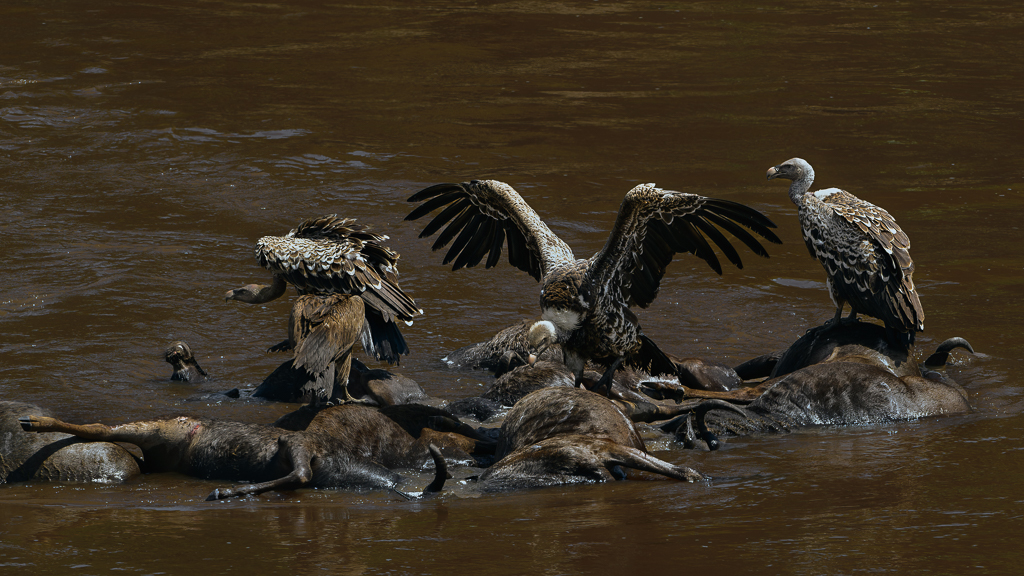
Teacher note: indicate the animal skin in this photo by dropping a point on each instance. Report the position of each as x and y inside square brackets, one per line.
[555, 433]
[860, 378]
[560, 435]
[352, 447]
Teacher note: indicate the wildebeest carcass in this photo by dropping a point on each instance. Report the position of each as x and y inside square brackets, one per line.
[835, 375]
[352, 447]
[566, 435]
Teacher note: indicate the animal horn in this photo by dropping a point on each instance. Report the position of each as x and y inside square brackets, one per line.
[440, 475]
[941, 355]
[440, 471]
[702, 409]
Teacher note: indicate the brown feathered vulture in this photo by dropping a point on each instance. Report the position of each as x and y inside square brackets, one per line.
[349, 283]
[866, 255]
[585, 304]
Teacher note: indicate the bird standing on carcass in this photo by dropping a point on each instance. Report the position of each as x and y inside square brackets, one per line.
[349, 285]
[866, 256]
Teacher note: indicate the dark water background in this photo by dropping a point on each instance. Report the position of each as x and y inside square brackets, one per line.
[144, 147]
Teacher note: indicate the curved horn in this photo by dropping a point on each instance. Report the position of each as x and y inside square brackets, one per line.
[941, 355]
[702, 409]
[440, 475]
[440, 471]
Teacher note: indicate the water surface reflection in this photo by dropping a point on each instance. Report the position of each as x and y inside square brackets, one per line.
[146, 147]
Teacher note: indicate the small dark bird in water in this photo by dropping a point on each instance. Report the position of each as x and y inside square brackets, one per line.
[186, 368]
[349, 285]
[866, 256]
[585, 304]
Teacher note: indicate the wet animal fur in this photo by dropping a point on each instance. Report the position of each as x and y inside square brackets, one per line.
[559, 435]
[342, 447]
[859, 378]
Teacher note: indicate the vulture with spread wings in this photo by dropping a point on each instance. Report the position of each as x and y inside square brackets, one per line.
[585, 304]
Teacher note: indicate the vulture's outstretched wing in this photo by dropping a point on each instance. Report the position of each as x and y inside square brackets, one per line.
[654, 224]
[480, 215]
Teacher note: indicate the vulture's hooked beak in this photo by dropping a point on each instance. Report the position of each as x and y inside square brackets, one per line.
[532, 359]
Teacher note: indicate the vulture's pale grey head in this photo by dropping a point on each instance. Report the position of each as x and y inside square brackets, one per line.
[792, 169]
[541, 335]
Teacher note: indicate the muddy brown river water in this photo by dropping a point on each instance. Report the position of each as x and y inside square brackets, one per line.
[144, 147]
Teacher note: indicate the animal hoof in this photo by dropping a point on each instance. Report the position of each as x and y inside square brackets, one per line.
[358, 401]
[660, 390]
[694, 476]
[29, 423]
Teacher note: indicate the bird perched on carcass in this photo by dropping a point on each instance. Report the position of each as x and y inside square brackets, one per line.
[866, 255]
[349, 285]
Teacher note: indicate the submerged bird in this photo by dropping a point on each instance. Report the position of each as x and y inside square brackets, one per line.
[349, 283]
[586, 304]
[866, 256]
